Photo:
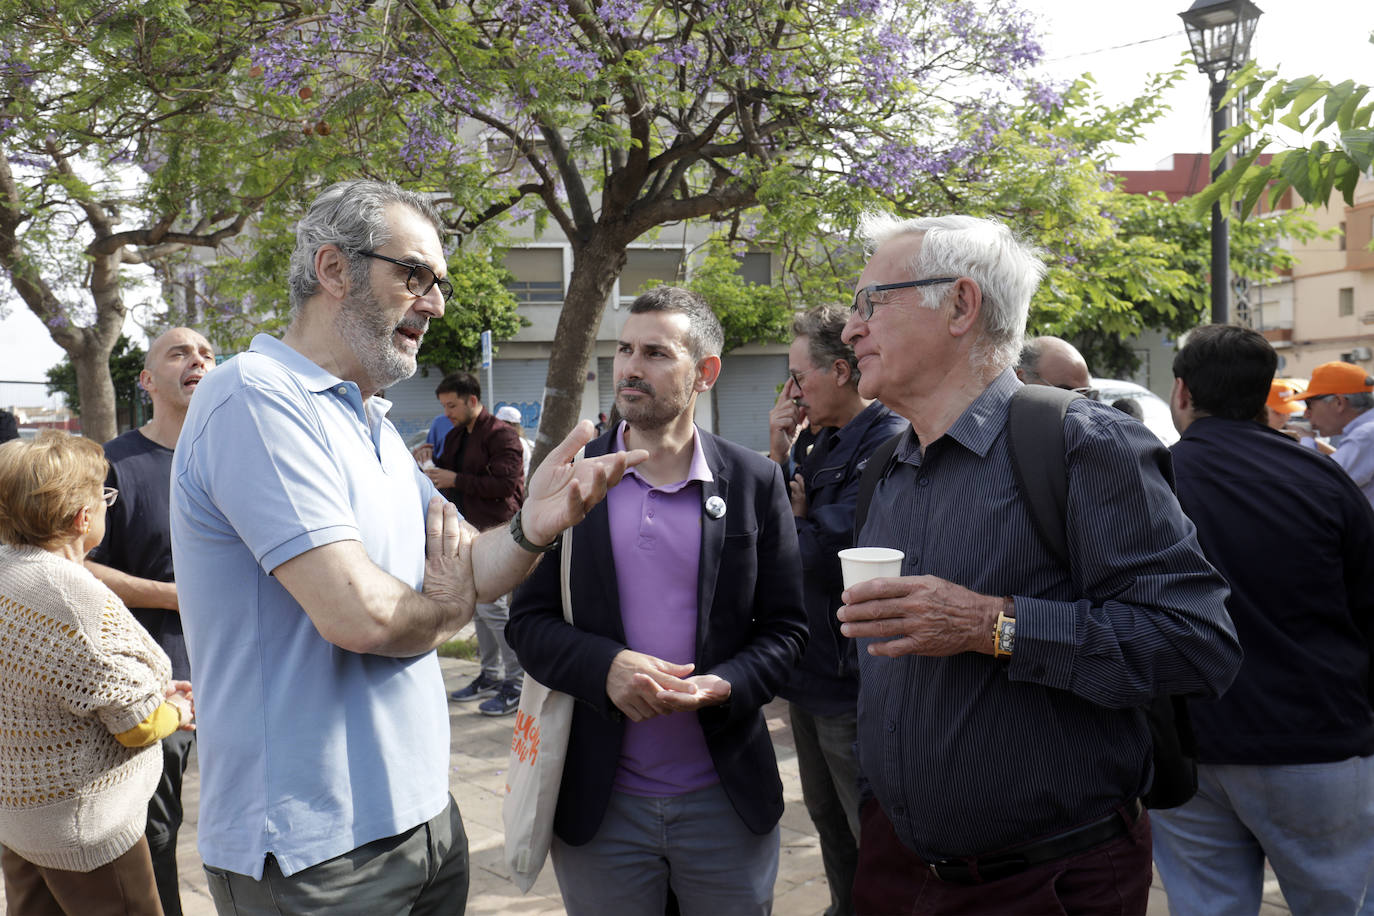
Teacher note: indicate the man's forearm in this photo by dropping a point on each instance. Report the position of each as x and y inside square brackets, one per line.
[419, 623]
[134, 591]
[499, 564]
[358, 606]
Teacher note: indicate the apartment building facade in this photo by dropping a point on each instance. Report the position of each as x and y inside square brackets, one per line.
[737, 408]
[1323, 308]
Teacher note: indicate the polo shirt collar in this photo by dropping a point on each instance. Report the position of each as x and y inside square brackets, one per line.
[698, 470]
[314, 378]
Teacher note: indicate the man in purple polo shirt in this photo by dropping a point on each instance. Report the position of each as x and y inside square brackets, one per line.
[688, 615]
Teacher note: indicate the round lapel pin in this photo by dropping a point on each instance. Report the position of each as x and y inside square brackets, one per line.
[715, 507]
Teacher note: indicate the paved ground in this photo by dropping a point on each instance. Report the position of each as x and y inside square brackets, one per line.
[480, 745]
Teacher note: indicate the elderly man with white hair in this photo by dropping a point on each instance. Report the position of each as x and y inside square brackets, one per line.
[1000, 723]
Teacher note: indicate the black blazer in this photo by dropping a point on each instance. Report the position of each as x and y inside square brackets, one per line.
[751, 629]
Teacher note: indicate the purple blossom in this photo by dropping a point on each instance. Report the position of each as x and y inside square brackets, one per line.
[617, 15]
[27, 159]
[282, 60]
[153, 159]
[422, 146]
[12, 67]
[1045, 96]
[859, 9]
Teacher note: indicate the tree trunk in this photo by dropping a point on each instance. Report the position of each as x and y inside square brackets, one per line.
[96, 390]
[596, 265]
[91, 358]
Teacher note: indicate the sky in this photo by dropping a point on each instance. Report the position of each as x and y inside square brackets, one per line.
[1118, 43]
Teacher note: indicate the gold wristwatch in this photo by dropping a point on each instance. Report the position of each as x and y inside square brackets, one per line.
[1003, 636]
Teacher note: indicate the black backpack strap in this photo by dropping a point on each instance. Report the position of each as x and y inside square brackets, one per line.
[1035, 440]
[873, 472]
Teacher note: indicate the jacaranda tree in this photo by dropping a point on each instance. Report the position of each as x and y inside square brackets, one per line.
[126, 139]
[612, 118]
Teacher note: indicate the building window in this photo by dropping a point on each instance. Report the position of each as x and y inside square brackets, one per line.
[757, 267]
[538, 275]
[1346, 301]
[646, 268]
[1340, 239]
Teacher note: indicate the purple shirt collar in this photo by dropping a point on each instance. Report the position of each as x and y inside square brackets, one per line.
[698, 470]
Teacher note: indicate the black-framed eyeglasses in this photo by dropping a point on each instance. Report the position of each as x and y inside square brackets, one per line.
[1318, 397]
[421, 278]
[108, 495]
[863, 299]
[1092, 394]
[798, 376]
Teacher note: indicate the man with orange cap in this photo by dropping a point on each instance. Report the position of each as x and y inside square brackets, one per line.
[1339, 399]
[1279, 406]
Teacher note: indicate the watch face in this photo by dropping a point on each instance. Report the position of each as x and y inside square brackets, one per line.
[1006, 635]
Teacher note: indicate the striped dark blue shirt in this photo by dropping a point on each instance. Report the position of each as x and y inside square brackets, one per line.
[969, 754]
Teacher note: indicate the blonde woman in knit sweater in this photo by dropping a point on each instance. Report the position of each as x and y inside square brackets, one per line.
[85, 695]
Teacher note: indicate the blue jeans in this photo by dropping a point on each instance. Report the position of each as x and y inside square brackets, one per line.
[1314, 822]
[695, 842]
[829, 768]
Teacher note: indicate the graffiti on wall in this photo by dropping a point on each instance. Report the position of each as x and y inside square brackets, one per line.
[529, 412]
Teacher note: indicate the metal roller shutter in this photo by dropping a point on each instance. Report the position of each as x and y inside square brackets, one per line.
[520, 383]
[745, 394]
[605, 384]
[413, 405]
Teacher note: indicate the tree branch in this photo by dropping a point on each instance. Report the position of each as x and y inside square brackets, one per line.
[160, 234]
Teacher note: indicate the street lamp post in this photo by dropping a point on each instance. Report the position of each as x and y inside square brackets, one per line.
[1220, 32]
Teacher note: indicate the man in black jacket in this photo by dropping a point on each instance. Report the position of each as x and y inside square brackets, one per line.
[823, 692]
[1286, 756]
[687, 616]
[481, 468]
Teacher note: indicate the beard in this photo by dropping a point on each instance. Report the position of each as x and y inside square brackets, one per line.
[655, 411]
[363, 325]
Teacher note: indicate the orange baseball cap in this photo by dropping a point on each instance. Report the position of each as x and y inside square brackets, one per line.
[1281, 397]
[1336, 378]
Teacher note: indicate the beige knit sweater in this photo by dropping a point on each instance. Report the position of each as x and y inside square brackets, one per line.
[75, 670]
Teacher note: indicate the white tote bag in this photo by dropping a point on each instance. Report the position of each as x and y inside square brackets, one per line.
[537, 750]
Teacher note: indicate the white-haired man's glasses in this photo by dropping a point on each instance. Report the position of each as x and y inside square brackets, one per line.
[863, 299]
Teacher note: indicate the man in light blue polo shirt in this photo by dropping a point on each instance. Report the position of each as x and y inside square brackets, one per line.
[319, 569]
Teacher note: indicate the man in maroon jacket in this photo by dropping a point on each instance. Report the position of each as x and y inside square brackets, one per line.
[482, 470]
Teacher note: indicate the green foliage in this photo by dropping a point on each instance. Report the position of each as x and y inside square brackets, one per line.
[748, 312]
[1312, 108]
[131, 134]
[480, 302]
[1152, 274]
[1118, 264]
[126, 363]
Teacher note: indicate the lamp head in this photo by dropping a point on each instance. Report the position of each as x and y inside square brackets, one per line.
[1220, 32]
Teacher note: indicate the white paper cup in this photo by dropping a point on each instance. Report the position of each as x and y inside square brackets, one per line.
[859, 564]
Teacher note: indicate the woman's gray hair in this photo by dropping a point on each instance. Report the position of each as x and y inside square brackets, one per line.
[822, 327]
[1006, 269]
[350, 215]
